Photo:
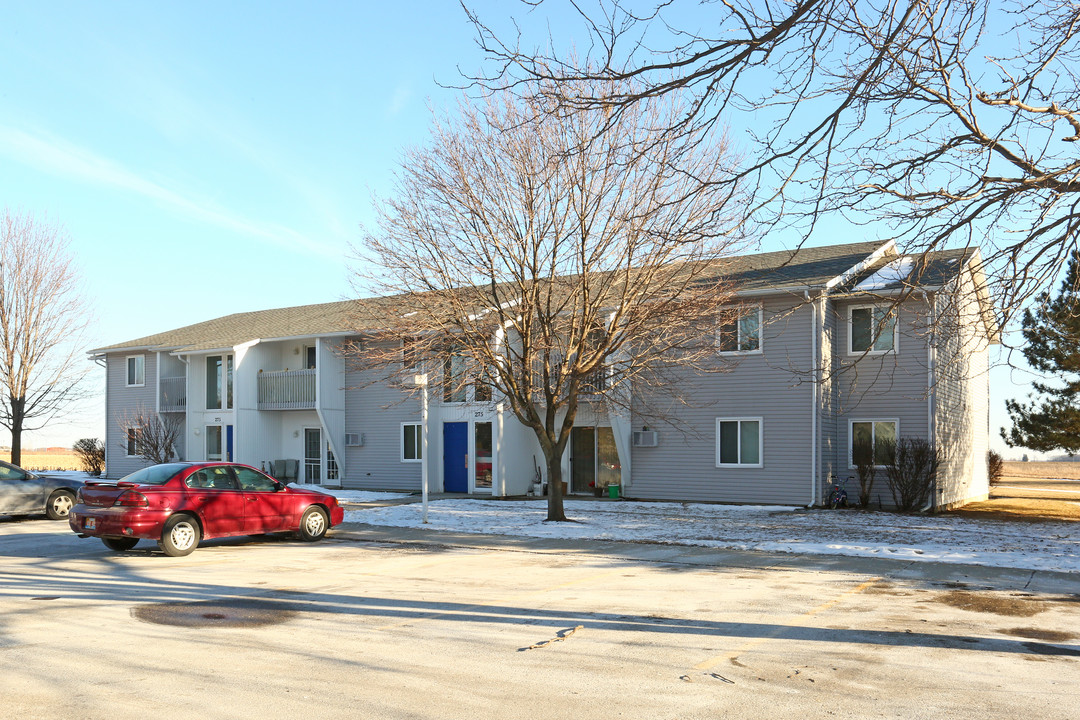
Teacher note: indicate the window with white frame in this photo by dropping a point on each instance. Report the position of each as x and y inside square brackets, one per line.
[412, 442]
[132, 442]
[871, 329]
[136, 371]
[741, 330]
[871, 440]
[738, 442]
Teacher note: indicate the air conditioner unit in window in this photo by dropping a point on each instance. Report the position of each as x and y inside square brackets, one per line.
[645, 438]
[354, 439]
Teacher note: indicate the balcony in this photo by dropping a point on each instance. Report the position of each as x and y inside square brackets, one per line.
[173, 394]
[287, 390]
[595, 383]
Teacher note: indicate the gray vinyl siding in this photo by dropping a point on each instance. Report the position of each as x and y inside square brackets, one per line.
[774, 386]
[892, 386]
[961, 410]
[121, 401]
[828, 399]
[377, 410]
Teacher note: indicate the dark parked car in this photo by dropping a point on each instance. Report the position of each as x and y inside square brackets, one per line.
[179, 504]
[24, 493]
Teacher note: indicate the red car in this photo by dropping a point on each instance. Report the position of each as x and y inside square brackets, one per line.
[180, 504]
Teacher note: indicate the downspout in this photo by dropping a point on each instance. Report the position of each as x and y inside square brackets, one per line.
[813, 399]
[931, 390]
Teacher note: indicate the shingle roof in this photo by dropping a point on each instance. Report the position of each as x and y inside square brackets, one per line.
[803, 268]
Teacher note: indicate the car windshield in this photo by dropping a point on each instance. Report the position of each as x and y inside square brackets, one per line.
[155, 475]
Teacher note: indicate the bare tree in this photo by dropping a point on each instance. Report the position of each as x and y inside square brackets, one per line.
[539, 263]
[933, 121]
[153, 436]
[91, 454]
[42, 317]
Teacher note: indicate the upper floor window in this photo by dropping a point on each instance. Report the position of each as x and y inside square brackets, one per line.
[455, 379]
[871, 329]
[310, 355]
[741, 332]
[219, 382]
[136, 371]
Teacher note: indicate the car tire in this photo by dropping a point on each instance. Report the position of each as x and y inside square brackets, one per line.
[313, 524]
[120, 544]
[180, 536]
[59, 505]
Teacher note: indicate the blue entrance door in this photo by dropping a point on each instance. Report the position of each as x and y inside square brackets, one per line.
[228, 443]
[455, 457]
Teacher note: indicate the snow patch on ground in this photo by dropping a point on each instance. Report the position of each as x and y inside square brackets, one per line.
[1051, 546]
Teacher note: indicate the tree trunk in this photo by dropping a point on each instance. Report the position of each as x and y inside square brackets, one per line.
[17, 405]
[555, 495]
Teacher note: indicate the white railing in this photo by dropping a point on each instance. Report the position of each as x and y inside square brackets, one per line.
[595, 383]
[287, 390]
[173, 394]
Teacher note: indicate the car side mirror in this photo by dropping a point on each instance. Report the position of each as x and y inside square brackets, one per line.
[278, 486]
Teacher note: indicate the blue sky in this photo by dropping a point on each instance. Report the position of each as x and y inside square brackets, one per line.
[211, 158]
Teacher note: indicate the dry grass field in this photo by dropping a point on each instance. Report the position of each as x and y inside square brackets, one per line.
[1032, 491]
[1041, 470]
[42, 459]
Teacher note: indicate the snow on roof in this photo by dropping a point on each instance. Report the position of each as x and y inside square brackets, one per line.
[893, 273]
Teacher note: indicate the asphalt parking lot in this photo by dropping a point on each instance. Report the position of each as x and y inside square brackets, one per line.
[383, 623]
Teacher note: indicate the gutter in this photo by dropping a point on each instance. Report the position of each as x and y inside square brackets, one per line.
[813, 400]
[931, 390]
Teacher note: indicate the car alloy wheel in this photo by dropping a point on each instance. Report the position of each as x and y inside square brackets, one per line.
[313, 525]
[60, 504]
[180, 536]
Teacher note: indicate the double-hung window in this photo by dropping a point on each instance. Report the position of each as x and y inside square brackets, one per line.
[136, 371]
[738, 442]
[740, 331]
[132, 442]
[871, 441]
[412, 442]
[871, 329]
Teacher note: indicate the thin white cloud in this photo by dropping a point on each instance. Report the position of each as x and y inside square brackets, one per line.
[398, 101]
[59, 157]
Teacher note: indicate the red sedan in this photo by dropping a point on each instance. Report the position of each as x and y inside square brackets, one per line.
[180, 504]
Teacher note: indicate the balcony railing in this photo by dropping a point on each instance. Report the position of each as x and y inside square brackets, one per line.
[173, 394]
[287, 390]
[595, 383]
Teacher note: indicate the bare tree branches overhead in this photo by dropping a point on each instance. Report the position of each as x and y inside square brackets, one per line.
[42, 317]
[538, 263]
[934, 122]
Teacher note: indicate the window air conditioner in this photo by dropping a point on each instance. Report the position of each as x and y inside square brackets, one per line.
[645, 438]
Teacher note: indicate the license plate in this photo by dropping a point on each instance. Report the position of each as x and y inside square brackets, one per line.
[91, 523]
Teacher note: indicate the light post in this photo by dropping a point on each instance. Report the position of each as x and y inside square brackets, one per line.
[422, 381]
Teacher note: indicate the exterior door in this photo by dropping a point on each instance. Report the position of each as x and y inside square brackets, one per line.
[312, 455]
[482, 447]
[582, 460]
[594, 459]
[456, 457]
[213, 443]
